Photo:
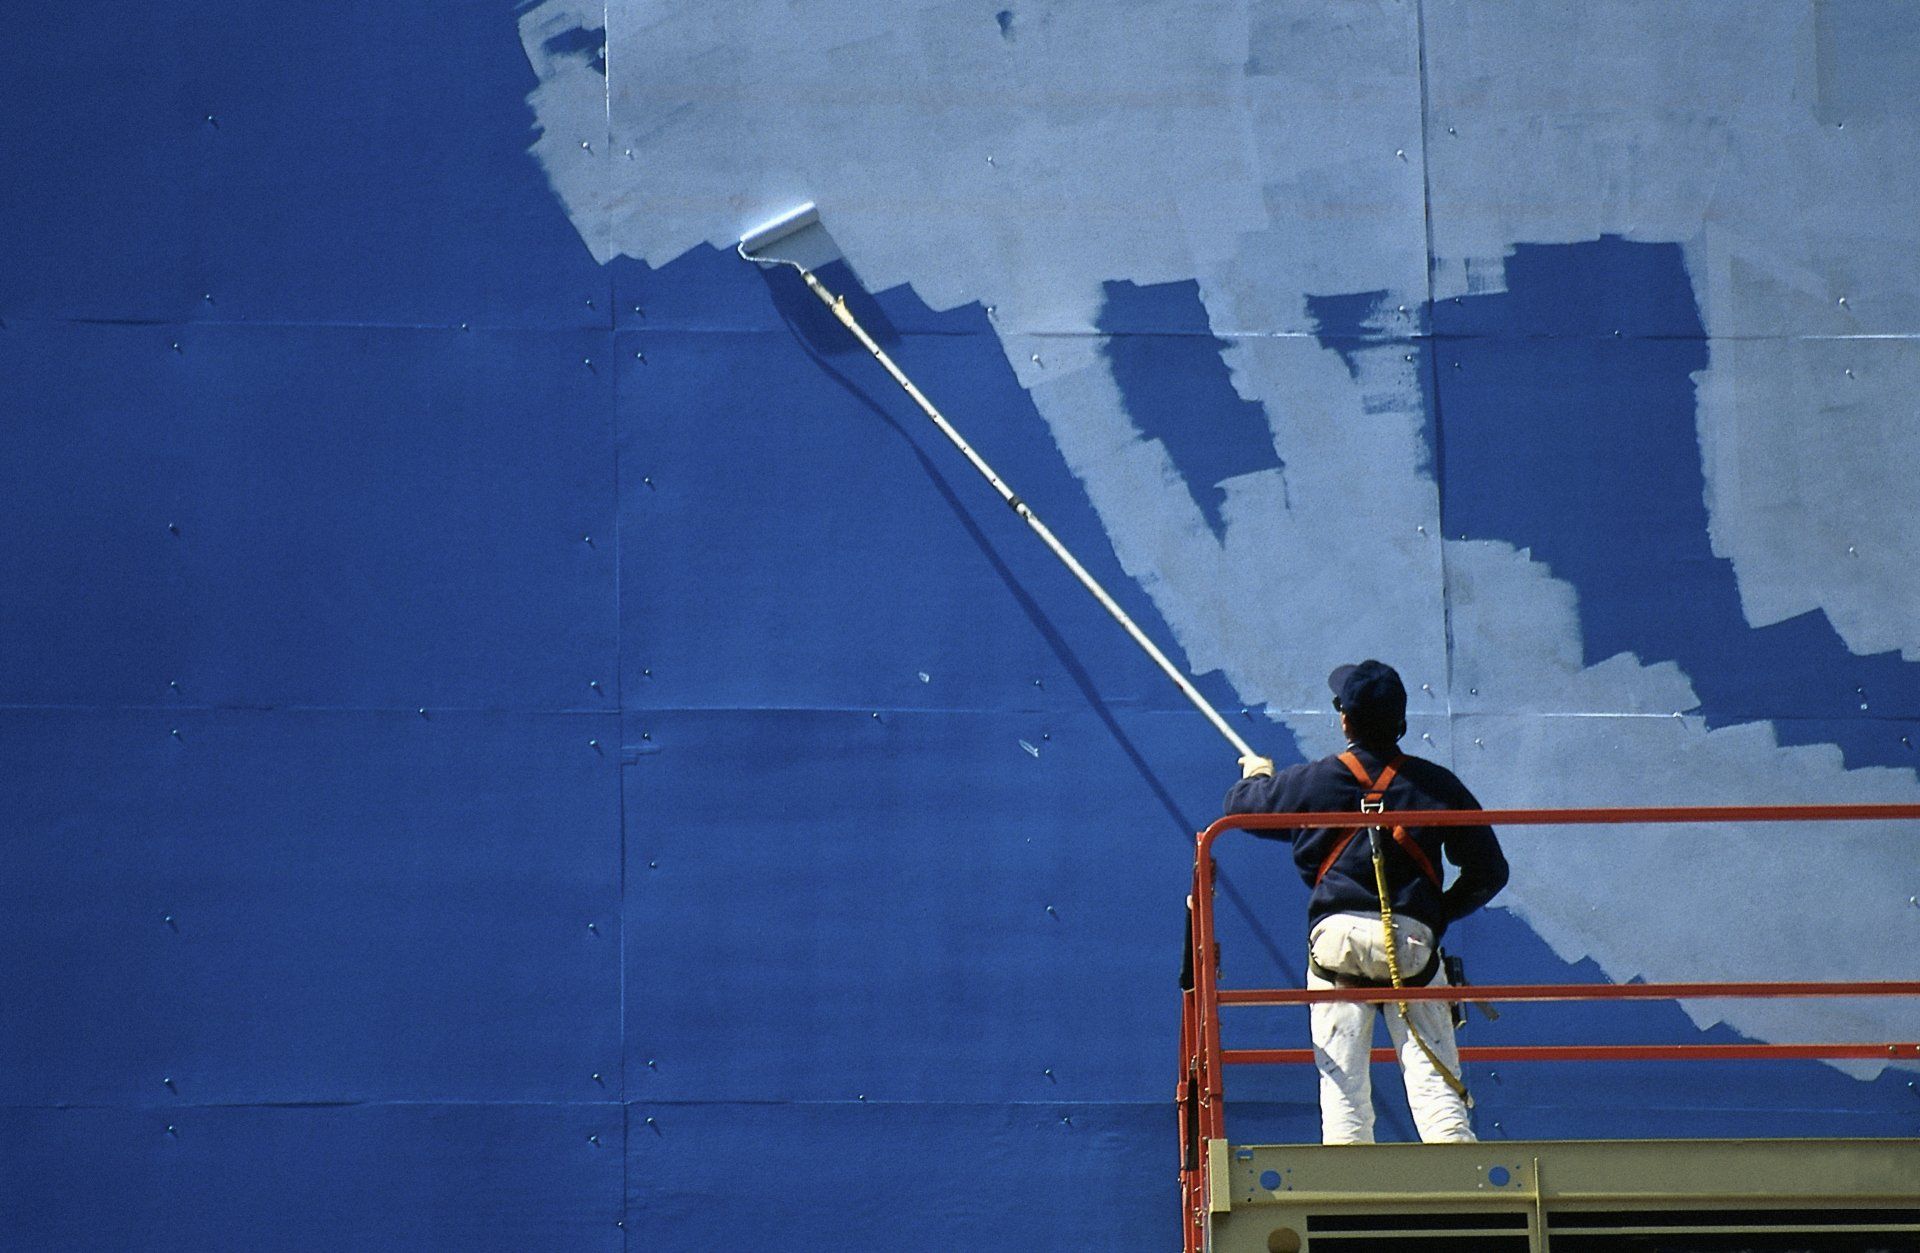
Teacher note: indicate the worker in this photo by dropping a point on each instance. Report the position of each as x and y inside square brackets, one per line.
[1348, 929]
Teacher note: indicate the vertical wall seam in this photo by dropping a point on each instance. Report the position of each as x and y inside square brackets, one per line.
[1433, 365]
[619, 624]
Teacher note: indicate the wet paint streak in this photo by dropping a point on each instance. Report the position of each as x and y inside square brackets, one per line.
[1366, 335]
[1178, 389]
[1579, 441]
[591, 44]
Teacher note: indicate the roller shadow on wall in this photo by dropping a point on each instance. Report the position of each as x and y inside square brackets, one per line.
[821, 336]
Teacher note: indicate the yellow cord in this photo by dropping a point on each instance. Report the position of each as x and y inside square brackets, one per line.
[1393, 971]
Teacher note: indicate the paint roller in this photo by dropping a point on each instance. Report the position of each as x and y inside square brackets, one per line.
[799, 235]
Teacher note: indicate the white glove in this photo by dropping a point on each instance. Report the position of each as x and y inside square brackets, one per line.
[1252, 765]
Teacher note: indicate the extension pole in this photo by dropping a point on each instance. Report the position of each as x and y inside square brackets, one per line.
[839, 306]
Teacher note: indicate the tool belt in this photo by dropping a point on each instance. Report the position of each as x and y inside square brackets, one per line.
[1340, 979]
[1456, 976]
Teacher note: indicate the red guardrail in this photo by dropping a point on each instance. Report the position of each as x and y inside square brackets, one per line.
[1201, 1096]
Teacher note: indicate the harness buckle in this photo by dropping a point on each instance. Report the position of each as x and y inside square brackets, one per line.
[1376, 806]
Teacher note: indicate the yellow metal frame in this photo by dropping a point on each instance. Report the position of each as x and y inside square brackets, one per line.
[1550, 1184]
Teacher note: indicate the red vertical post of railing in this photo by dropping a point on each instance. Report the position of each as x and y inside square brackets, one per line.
[1186, 1099]
[1207, 994]
[1193, 1194]
[1206, 1045]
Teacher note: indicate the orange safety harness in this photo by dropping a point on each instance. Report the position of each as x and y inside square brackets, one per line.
[1375, 801]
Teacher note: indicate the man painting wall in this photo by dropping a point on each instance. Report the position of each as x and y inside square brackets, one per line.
[1379, 904]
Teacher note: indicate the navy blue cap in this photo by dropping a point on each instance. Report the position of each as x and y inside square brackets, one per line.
[1370, 692]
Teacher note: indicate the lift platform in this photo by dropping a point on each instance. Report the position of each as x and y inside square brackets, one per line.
[1569, 1196]
[1510, 1196]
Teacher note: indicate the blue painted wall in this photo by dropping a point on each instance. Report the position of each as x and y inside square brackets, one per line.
[516, 735]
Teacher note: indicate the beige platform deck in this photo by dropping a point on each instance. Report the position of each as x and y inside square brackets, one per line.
[1565, 1196]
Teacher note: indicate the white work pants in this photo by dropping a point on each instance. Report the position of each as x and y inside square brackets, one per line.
[1354, 944]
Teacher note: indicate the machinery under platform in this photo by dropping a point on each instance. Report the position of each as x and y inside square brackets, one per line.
[1566, 1196]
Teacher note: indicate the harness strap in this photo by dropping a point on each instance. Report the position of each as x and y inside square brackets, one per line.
[1375, 799]
[1376, 793]
[1376, 788]
[1339, 847]
[1420, 859]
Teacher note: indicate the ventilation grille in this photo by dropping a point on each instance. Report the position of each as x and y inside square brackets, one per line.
[1418, 1233]
[1839, 1230]
[1835, 1230]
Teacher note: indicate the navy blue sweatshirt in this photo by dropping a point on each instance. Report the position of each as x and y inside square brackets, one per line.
[1327, 786]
